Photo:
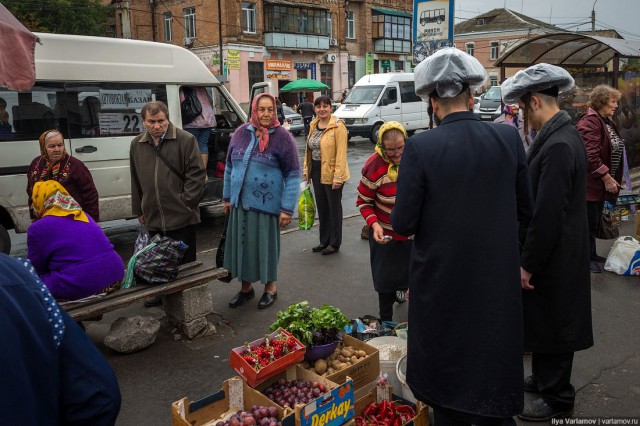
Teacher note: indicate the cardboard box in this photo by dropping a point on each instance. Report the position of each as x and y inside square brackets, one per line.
[381, 393]
[253, 377]
[235, 395]
[363, 372]
[293, 373]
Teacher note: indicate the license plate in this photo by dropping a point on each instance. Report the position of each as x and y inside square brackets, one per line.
[485, 116]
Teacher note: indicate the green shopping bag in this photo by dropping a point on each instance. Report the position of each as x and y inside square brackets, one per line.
[306, 208]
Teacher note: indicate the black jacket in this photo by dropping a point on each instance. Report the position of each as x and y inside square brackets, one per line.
[305, 109]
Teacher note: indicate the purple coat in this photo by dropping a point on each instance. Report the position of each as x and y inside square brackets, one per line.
[74, 259]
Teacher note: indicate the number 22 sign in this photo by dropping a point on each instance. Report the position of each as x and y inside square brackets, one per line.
[115, 123]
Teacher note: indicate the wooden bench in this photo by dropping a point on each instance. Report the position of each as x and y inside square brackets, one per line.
[191, 275]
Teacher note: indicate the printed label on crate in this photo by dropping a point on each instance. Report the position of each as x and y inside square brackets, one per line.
[334, 409]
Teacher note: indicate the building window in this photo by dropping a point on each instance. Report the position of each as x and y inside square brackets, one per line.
[190, 22]
[297, 20]
[495, 50]
[330, 24]
[168, 27]
[256, 73]
[480, 21]
[248, 17]
[493, 79]
[351, 25]
[326, 77]
[470, 48]
[391, 33]
[398, 65]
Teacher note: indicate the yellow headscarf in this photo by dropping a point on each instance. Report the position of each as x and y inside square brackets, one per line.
[51, 199]
[392, 171]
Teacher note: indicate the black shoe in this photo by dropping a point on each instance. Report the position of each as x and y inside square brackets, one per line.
[267, 300]
[330, 250]
[530, 385]
[598, 259]
[156, 301]
[540, 411]
[241, 297]
[319, 248]
[401, 296]
[595, 268]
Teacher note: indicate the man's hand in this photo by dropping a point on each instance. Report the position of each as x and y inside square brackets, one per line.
[285, 219]
[525, 278]
[141, 219]
[227, 207]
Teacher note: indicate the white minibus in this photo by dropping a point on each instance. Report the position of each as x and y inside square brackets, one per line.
[377, 98]
[92, 89]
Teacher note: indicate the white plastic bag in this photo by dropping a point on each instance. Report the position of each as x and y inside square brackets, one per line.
[624, 257]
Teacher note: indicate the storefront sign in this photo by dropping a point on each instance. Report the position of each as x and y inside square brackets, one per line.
[385, 63]
[278, 65]
[432, 27]
[369, 63]
[233, 59]
[307, 66]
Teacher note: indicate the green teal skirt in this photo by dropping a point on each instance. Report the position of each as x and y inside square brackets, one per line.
[252, 247]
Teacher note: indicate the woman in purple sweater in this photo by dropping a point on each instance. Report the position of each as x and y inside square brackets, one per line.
[68, 250]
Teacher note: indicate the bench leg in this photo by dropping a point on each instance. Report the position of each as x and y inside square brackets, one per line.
[188, 310]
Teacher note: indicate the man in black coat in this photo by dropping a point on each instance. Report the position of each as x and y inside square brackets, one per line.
[306, 110]
[462, 188]
[555, 243]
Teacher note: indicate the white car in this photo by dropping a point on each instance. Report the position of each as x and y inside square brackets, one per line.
[295, 120]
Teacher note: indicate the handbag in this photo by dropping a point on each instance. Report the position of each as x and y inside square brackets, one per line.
[190, 107]
[157, 263]
[220, 253]
[607, 230]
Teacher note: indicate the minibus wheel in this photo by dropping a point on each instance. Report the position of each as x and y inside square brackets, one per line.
[374, 134]
[5, 240]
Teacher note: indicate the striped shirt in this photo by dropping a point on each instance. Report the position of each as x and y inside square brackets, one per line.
[617, 145]
[377, 195]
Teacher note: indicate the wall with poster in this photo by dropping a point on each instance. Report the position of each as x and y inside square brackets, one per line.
[432, 27]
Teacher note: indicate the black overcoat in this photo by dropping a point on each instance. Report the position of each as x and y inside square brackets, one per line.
[461, 189]
[557, 313]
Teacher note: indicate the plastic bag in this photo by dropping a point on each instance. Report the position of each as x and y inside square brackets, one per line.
[306, 208]
[624, 257]
[141, 241]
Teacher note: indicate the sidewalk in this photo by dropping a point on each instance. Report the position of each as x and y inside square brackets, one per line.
[607, 376]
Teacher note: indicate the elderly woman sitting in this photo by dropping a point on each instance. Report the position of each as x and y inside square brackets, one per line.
[68, 250]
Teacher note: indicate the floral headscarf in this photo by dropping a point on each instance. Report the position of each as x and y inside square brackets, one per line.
[392, 171]
[51, 199]
[255, 122]
[50, 167]
[508, 111]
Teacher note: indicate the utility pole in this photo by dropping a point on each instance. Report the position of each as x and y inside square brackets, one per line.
[593, 18]
[220, 34]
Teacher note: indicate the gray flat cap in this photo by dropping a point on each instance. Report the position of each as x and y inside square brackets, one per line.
[536, 78]
[446, 71]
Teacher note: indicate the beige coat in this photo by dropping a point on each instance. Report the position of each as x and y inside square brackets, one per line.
[333, 153]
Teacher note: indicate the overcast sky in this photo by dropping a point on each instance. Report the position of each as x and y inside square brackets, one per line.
[572, 15]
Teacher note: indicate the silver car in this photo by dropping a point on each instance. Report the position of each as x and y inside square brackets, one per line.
[294, 119]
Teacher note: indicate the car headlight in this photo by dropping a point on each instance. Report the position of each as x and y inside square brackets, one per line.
[361, 121]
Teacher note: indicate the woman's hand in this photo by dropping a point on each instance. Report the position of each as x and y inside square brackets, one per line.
[285, 219]
[336, 185]
[610, 184]
[378, 234]
[227, 208]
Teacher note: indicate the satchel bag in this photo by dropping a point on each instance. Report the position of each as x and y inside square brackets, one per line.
[190, 107]
[608, 230]
[220, 253]
[159, 262]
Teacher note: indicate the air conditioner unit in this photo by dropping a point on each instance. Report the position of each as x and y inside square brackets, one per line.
[188, 41]
[331, 57]
[333, 42]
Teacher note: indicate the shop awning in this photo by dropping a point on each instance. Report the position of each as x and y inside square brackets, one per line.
[569, 50]
[391, 12]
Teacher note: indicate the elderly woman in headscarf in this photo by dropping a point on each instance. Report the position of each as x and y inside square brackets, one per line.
[67, 248]
[261, 183]
[54, 163]
[510, 115]
[389, 251]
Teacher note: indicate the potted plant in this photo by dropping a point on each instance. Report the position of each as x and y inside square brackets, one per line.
[319, 329]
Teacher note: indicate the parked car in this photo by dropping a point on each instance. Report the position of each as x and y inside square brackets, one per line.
[476, 104]
[294, 119]
[490, 105]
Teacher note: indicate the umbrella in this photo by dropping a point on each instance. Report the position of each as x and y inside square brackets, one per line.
[304, 85]
[17, 44]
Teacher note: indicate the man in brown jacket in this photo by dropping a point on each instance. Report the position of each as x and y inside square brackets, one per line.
[167, 176]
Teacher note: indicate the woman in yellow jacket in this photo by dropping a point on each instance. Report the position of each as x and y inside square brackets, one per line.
[325, 164]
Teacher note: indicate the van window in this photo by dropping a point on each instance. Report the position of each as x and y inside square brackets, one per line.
[78, 110]
[408, 92]
[390, 96]
[364, 95]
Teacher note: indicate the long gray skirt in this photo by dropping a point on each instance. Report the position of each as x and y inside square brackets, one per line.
[390, 264]
[252, 247]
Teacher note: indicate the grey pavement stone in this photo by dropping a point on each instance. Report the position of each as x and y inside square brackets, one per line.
[128, 335]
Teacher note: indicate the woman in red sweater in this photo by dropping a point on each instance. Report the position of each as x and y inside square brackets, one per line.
[390, 252]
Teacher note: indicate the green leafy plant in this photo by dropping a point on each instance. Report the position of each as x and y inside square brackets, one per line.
[312, 326]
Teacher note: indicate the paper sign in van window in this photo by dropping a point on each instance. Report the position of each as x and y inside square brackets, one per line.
[124, 99]
[115, 123]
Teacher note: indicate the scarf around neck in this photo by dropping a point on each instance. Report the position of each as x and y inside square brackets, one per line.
[560, 119]
[263, 142]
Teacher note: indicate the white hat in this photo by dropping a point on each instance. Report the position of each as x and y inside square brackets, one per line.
[446, 71]
[536, 78]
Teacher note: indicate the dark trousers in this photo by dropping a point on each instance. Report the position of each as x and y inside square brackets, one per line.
[552, 373]
[329, 208]
[186, 235]
[307, 122]
[447, 417]
[385, 305]
[594, 216]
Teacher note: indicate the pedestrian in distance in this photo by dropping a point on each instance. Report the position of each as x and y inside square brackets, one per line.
[389, 251]
[167, 177]
[202, 125]
[54, 163]
[52, 374]
[554, 243]
[69, 251]
[465, 350]
[261, 184]
[511, 116]
[307, 111]
[605, 150]
[325, 164]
